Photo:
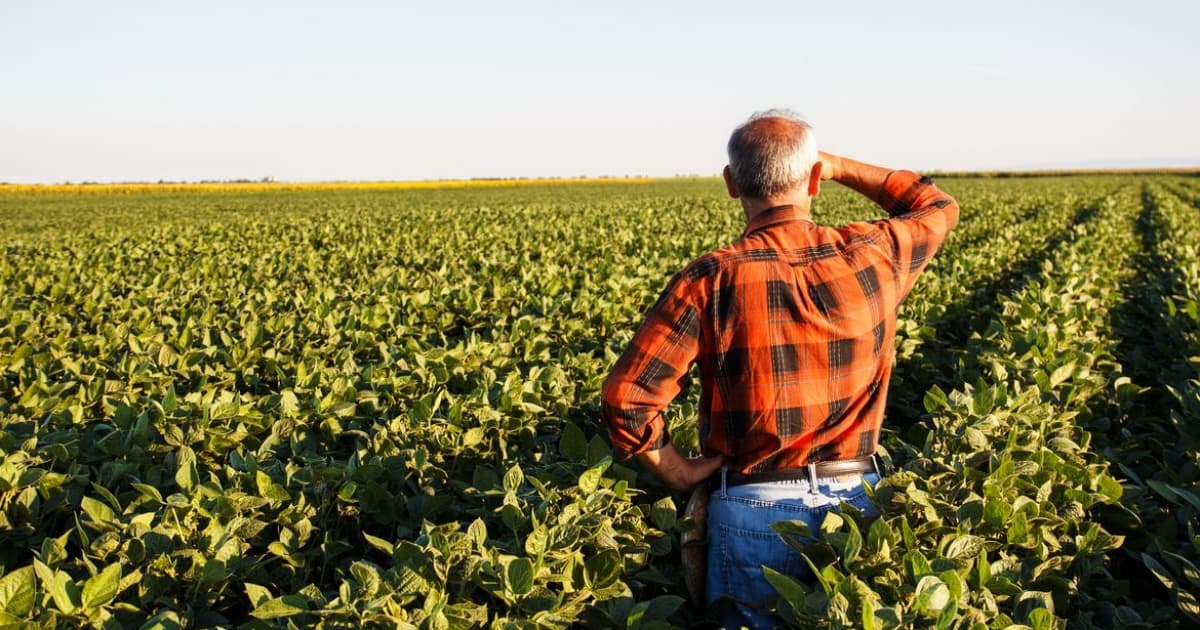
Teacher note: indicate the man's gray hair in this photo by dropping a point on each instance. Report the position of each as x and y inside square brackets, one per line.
[770, 157]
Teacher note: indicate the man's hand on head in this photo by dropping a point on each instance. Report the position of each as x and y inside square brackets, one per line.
[679, 472]
[830, 165]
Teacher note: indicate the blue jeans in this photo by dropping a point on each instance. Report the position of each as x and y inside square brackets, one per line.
[741, 541]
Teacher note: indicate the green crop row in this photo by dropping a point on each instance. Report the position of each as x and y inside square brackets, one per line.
[1151, 439]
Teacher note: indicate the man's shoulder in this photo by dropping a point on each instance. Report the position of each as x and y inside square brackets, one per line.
[728, 258]
[819, 243]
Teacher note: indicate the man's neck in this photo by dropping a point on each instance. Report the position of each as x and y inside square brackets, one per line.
[755, 207]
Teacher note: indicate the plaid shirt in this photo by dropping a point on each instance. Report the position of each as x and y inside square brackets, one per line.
[792, 327]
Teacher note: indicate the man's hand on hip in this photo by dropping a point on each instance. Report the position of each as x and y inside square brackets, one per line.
[679, 472]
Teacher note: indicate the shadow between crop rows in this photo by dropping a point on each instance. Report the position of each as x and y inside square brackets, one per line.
[1143, 346]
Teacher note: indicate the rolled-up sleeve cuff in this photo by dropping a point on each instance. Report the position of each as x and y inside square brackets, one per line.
[627, 443]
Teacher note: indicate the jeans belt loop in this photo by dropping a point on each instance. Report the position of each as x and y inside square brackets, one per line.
[812, 478]
[724, 470]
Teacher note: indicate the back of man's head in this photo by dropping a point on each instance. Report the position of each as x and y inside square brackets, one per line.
[771, 153]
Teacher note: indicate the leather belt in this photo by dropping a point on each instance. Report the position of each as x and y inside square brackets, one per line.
[810, 473]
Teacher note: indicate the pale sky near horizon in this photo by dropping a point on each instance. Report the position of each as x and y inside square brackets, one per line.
[142, 91]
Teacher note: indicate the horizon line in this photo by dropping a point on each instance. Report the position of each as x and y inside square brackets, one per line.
[627, 178]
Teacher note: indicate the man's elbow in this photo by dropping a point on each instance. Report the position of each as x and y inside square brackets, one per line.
[948, 206]
[610, 397]
[612, 400]
[952, 213]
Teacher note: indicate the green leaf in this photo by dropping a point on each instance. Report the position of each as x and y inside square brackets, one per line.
[513, 478]
[280, 607]
[996, 513]
[1188, 604]
[368, 576]
[257, 594]
[1040, 619]
[63, 590]
[983, 570]
[1062, 373]
[149, 491]
[1018, 531]
[935, 399]
[598, 449]
[1110, 487]
[589, 481]
[854, 543]
[964, 547]
[214, 571]
[1158, 570]
[879, 534]
[664, 514]
[519, 576]
[18, 591]
[1001, 585]
[572, 444]
[536, 541]
[1029, 601]
[791, 590]
[164, 620]
[916, 565]
[378, 543]
[478, 533]
[907, 536]
[100, 589]
[54, 551]
[954, 582]
[650, 614]
[931, 596]
[603, 569]
[268, 489]
[97, 511]
[186, 475]
[473, 436]
[869, 621]
[169, 402]
[289, 405]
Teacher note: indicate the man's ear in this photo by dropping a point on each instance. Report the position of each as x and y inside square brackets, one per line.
[730, 187]
[814, 180]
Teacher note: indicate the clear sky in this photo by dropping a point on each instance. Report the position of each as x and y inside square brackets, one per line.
[123, 90]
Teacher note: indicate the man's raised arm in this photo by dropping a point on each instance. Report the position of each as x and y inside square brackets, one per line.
[920, 214]
[865, 179]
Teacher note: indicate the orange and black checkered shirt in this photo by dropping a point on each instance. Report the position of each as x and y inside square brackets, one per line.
[792, 327]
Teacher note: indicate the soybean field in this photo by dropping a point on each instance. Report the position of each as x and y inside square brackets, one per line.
[372, 407]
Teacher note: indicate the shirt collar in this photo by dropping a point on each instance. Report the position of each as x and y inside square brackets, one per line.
[774, 216]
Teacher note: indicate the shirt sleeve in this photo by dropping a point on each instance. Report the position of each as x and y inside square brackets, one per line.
[920, 218]
[650, 373]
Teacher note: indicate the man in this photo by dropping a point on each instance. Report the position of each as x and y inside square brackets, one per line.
[792, 328]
